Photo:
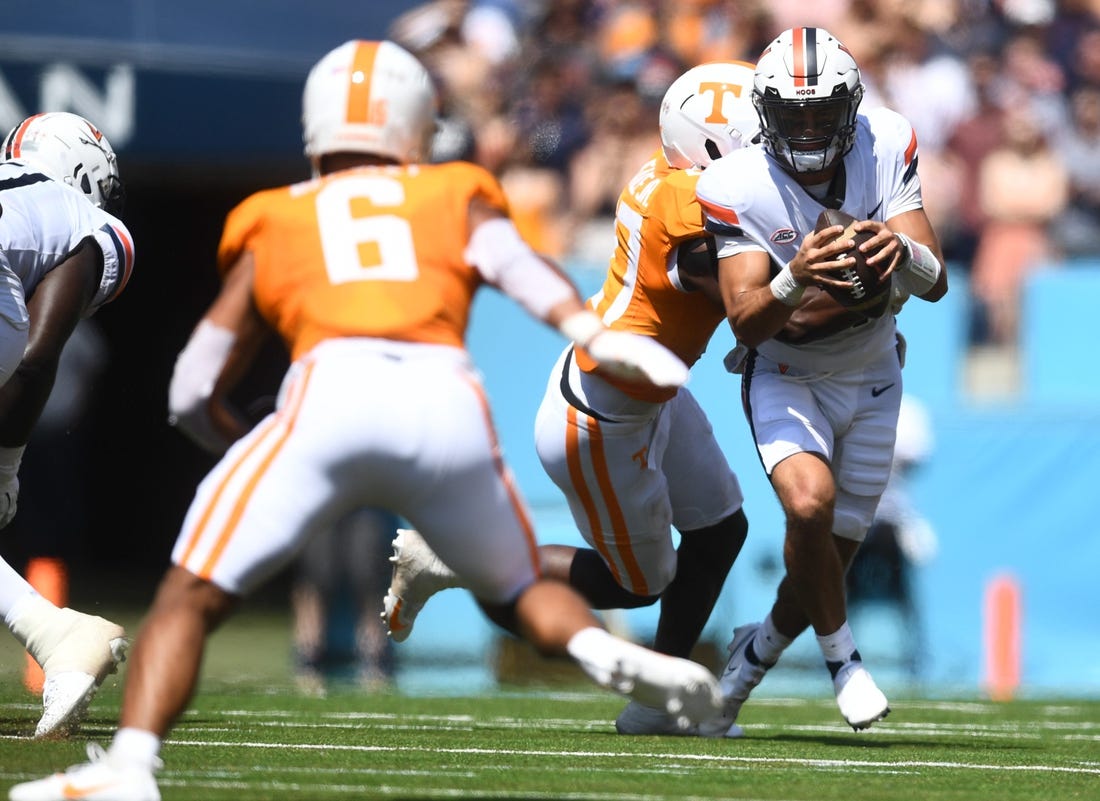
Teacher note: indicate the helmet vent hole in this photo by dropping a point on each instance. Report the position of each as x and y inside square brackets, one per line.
[712, 149]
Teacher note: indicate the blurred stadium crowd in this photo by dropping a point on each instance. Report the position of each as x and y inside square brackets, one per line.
[559, 99]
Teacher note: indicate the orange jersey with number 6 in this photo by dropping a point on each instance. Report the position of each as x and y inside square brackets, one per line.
[656, 213]
[367, 252]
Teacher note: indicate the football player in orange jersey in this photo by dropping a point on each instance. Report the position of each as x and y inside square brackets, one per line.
[635, 459]
[63, 254]
[368, 272]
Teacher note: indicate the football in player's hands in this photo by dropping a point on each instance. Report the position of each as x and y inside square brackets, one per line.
[868, 293]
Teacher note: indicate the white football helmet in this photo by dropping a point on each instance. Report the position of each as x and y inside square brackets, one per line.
[807, 91]
[707, 112]
[368, 97]
[69, 149]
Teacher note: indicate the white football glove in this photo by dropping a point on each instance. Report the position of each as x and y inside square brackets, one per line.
[9, 482]
[635, 356]
[625, 355]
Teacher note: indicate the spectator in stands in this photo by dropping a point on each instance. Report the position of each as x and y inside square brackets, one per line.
[1077, 230]
[974, 138]
[623, 136]
[698, 31]
[916, 62]
[1023, 186]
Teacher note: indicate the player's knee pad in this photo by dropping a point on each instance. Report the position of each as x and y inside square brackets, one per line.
[853, 515]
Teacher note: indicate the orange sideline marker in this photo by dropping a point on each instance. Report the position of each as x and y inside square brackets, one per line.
[1002, 637]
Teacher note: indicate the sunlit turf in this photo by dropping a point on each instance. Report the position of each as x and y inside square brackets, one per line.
[250, 735]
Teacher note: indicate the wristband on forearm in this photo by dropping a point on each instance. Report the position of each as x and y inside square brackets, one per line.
[785, 288]
[919, 269]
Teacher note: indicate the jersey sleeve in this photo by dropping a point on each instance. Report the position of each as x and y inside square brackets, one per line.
[243, 222]
[718, 193]
[897, 144]
[117, 246]
[721, 194]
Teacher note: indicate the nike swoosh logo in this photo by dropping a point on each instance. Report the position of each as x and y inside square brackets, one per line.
[874, 211]
[876, 391]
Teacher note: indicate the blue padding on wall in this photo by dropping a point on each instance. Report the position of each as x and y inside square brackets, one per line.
[1057, 348]
[937, 337]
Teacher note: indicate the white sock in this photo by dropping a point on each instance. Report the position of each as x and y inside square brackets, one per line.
[13, 589]
[769, 643]
[135, 747]
[590, 644]
[596, 651]
[28, 616]
[838, 647]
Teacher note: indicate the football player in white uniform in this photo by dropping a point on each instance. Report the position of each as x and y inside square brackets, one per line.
[380, 407]
[822, 400]
[63, 254]
[634, 460]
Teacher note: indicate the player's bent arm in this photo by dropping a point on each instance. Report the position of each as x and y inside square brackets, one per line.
[922, 269]
[60, 300]
[816, 317]
[217, 356]
[754, 310]
[509, 263]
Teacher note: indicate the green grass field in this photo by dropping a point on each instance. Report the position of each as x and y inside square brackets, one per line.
[251, 736]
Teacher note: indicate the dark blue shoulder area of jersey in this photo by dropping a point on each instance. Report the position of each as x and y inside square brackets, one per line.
[26, 179]
[720, 228]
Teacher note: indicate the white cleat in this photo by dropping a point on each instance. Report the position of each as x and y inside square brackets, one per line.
[685, 690]
[418, 574]
[737, 681]
[860, 700]
[638, 719]
[98, 779]
[76, 652]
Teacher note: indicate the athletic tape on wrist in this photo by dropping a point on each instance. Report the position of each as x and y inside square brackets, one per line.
[920, 269]
[786, 290]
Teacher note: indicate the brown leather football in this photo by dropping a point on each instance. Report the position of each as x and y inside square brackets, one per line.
[868, 294]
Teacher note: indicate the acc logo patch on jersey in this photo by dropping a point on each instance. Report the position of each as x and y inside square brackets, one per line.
[784, 236]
